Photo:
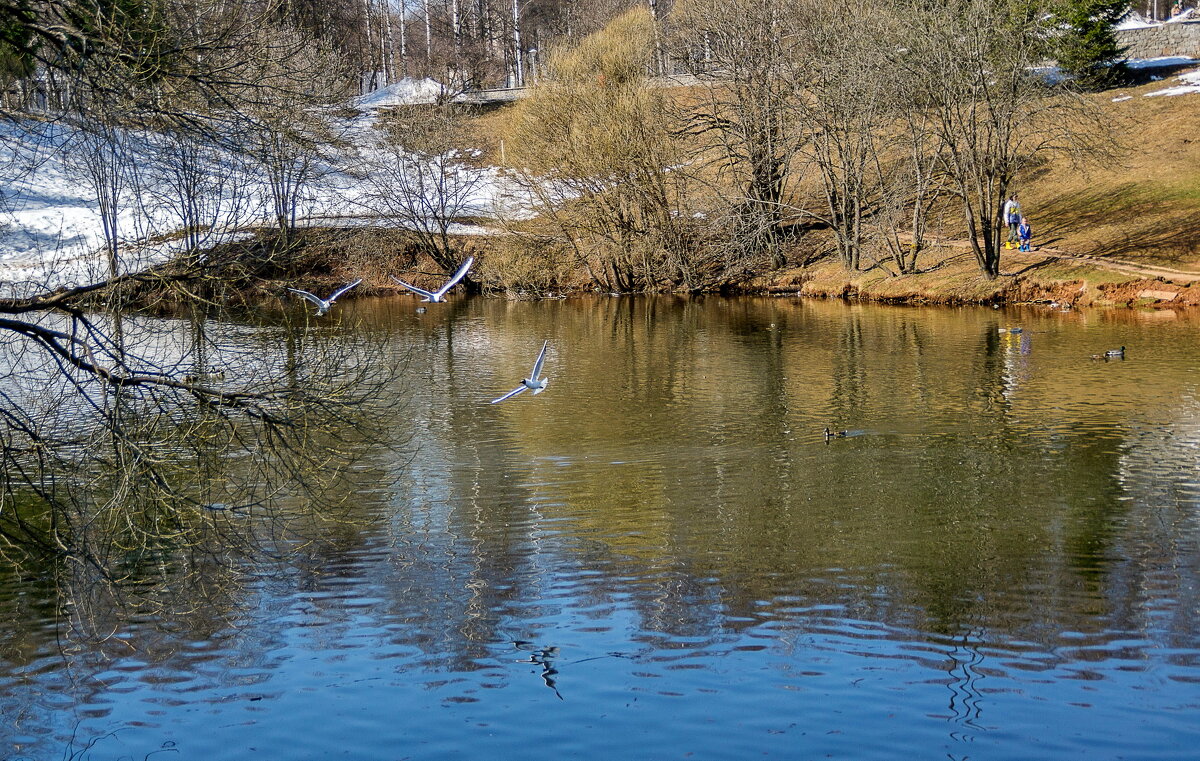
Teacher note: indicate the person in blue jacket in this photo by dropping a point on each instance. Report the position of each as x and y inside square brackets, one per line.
[1025, 234]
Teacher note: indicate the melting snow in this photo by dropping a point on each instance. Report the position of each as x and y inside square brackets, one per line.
[1191, 84]
[51, 231]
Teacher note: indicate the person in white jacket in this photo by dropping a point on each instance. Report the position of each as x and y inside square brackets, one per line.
[1012, 218]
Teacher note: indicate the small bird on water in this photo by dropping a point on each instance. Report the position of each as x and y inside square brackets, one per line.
[847, 434]
[1111, 354]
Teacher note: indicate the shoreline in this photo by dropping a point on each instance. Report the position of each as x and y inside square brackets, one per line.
[326, 258]
[1040, 276]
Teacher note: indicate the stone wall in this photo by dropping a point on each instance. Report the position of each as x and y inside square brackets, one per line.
[1181, 38]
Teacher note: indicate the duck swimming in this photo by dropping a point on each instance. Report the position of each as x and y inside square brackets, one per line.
[1111, 354]
[847, 434]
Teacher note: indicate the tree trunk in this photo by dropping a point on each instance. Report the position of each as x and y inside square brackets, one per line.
[660, 53]
[403, 43]
[428, 34]
[372, 82]
[518, 62]
[389, 43]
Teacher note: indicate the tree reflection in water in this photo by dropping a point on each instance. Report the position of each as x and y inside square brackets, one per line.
[154, 499]
[1016, 530]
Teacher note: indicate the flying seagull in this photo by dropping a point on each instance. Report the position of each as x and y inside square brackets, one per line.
[533, 383]
[323, 305]
[439, 294]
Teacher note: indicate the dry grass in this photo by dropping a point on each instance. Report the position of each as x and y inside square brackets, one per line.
[1143, 208]
[951, 276]
[483, 131]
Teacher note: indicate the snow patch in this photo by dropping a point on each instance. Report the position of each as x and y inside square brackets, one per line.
[406, 92]
[1051, 75]
[1134, 20]
[1167, 60]
[52, 234]
[1191, 84]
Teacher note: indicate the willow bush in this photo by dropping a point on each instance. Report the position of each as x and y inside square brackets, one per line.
[594, 146]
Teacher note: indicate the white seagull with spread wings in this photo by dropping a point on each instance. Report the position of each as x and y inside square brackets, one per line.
[533, 383]
[439, 294]
[323, 305]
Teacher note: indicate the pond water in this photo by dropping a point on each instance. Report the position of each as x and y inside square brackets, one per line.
[662, 556]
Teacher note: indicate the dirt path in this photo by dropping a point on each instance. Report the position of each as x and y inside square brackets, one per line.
[1131, 268]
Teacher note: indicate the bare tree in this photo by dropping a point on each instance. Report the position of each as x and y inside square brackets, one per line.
[286, 129]
[103, 157]
[908, 164]
[994, 114]
[845, 85]
[199, 189]
[96, 405]
[419, 179]
[743, 51]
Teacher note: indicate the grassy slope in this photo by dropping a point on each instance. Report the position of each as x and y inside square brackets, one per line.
[1144, 209]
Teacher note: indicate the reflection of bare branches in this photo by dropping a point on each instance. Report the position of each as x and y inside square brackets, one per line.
[73, 753]
[965, 673]
[544, 657]
[116, 460]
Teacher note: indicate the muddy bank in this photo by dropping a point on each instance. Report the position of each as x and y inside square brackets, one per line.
[258, 272]
[955, 280]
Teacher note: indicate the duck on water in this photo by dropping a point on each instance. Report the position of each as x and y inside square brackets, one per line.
[842, 434]
[1111, 354]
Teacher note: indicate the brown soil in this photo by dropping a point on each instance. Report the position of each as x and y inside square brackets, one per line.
[951, 276]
